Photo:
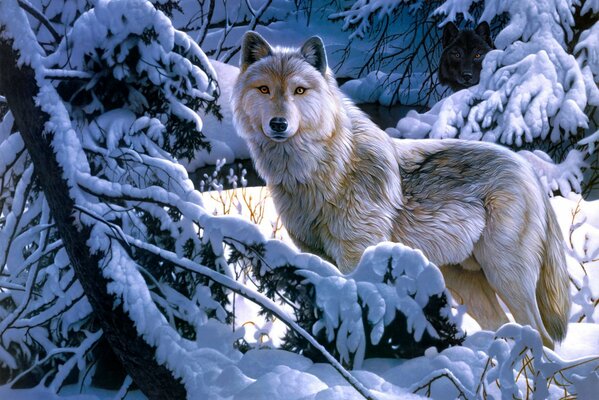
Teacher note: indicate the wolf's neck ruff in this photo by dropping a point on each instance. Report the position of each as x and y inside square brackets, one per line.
[298, 162]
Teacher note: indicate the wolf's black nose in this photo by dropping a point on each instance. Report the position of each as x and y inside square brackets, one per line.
[278, 124]
[467, 76]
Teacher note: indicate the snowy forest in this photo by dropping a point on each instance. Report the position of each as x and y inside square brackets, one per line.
[141, 256]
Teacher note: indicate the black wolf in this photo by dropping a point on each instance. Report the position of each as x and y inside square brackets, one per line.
[463, 53]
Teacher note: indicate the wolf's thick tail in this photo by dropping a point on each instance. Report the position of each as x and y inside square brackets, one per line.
[553, 296]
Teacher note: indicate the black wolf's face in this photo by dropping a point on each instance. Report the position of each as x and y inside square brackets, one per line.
[463, 53]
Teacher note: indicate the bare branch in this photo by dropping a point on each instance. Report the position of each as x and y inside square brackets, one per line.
[251, 26]
[205, 22]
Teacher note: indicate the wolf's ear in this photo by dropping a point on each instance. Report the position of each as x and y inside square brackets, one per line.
[253, 48]
[484, 31]
[314, 53]
[450, 32]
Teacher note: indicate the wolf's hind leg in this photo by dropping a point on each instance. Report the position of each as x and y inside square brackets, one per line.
[514, 275]
[469, 286]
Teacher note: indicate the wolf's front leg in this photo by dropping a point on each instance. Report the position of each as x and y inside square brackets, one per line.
[308, 248]
[344, 254]
[349, 256]
[349, 252]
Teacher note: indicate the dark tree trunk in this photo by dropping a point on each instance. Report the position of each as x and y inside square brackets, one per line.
[19, 87]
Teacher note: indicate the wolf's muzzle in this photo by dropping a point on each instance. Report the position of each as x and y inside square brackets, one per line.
[278, 125]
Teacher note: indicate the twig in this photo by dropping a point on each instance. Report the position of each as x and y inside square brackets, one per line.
[205, 22]
[444, 373]
[67, 74]
[251, 26]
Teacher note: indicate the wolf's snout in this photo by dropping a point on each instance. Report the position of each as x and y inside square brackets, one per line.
[278, 124]
[467, 76]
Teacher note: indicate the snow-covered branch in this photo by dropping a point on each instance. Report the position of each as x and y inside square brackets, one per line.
[532, 91]
[25, 5]
[165, 280]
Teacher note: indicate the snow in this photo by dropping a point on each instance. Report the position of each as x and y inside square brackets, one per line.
[530, 89]
[451, 9]
[359, 15]
[582, 341]
[588, 48]
[225, 143]
[385, 89]
[565, 176]
[579, 220]
[118, 170]
[460, 368]
[126, 281]
[283, 382]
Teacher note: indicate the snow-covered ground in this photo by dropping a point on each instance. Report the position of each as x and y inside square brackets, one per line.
[276, 374]
[579, 221]
[531, 88]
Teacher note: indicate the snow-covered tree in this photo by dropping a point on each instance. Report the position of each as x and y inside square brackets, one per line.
[537, 93]
[104, 235]
[130, 86]
[404, 46]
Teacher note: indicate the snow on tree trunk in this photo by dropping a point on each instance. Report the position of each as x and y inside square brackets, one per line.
[19, 86]
[93, 145]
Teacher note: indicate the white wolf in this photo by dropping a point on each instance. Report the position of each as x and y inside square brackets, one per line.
[341, 184]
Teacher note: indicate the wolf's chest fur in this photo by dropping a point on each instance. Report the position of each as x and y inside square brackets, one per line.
[343, 202]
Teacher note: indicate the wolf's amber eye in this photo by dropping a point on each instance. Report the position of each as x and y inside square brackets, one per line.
[477, 56]
[264, 90]
[300, 90]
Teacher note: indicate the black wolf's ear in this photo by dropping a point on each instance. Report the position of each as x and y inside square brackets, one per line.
[450, 32]
[484, 31]
[253, 48]
[313, 52]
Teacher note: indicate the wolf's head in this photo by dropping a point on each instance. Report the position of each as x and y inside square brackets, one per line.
[463, 53]
[282, 93]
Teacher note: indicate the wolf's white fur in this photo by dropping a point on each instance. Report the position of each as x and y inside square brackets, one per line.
[341, 184]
